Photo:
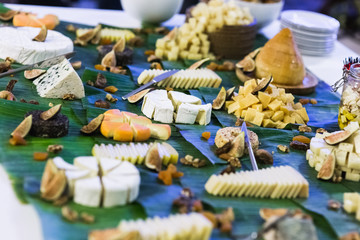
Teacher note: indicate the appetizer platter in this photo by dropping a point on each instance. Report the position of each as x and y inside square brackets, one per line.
[172, 161]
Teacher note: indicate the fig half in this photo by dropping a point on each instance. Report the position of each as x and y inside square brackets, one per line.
[46, 115]
[93, 125]
[152, 159]
[219, 101]
[237, 146]
[136, 97]
[198, 64]
[247, 64]
[33, 73]
[24, 127]
[263, 84]
[41, 37]
[327, 169]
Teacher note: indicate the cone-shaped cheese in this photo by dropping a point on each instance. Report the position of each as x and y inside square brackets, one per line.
[280, 57]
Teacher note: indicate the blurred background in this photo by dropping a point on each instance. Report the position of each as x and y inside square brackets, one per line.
[346, 11]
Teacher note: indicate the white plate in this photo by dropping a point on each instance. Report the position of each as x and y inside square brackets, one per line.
[308, 33]
[310, 21]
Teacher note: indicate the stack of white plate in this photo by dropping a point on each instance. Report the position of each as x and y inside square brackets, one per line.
[314, 33]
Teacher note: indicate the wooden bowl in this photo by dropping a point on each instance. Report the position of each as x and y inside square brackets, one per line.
[233, 42]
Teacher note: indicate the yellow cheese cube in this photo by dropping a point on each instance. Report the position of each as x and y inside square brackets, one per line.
[264, 98]
[258, 107]
[278, 116]
[249, 86]
[233, 107]
[227, 104]
[172, 56]
[258, 118]
[289, 97]
[250, 115]
[159, 52]
[298, 118]
[194, 56]
[195, 41]
[268, 123]
[204, 50]
[237, 98]
[297, 106]
[289, 119]
[268, 114]
[281, 91]
[243, 113]
[280, 125]
[161, 43]
[241, 90]
[275, 105]
[184, 54]
[302, 112]
[183, 44]
[170, 44]
[238, 113]
[194, 49]
[248, 100]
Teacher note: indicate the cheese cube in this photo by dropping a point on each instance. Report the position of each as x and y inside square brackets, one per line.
[248, 100]
[194, 56]
[351, 201]
[352, 176]
[194, 49]
[354, 161]
[184, 54]
[249, 86]
[268, 123]
[289, 119]
[195, 41]
[233, 107]
[274, 105]
[243, 113]
[161, 43]
[268, 114]
[289, 98]
[302, 112]
[241, 90]
[258, 107]
[278, 116]
[341, 157]
[250, 115]
[258, 118]
[347, 147]
[298, 118]
[159, 52]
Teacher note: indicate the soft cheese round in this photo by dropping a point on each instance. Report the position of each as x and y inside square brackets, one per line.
[17, 43]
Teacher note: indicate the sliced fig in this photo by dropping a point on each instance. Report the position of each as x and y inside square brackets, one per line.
[41, 37]
[230, 92]
[7, 95]
[119, 46]
[254, 53]
[198, 64]
[263, 84]
[219, 101]
[109, 60]
[76, 65]
[241, 75]
[136, 97]
[237, 146]
[46, 115]
[7, 16]
[24, 127]
[33, 73]
[152, 159]
[327, 169]
[49, 172]
[55, 187]
[93, 125]
[247, 64]
[337, 137]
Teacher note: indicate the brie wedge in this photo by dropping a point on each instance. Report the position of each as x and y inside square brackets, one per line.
[88, 191]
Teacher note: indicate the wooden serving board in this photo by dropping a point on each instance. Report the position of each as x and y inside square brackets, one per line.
[307, 87]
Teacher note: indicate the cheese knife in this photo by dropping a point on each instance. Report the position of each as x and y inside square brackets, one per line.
[42, 64]
[248, 144]
[156, 79]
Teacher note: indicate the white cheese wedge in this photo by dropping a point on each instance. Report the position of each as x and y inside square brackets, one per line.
[186, 113]
[132, 182]
[60, 79]
[107, 165]
[157, 106]
[115, 193]
[61, 164]
[123, 169]
[204, 115]
[17, 43]
[73, 176]
[88, 191]
[178, 98]
[88, 163]
[164, 112]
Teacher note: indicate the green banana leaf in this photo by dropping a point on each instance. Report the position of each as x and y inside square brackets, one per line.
[156, 198]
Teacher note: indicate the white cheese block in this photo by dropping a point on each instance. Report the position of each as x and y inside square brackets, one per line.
[17, 43]
[157, 106]
[88, 163]
[88, 191]
[186, 113]
[60, 79]
[204, 115]
[132, 183]
[178, 98]
[164, 111]
[73, 176]
[115, 193]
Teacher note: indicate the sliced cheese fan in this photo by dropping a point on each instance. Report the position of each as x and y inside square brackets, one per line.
[135, 152]
[273, 182]
[186, 79]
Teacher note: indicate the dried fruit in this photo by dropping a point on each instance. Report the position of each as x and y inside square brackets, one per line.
[299, 145]
[219, 101]
[328, 168]
[53, 182]
[70, 28]
[87, 218]
[254, 53]
[156, 65]
[229, 169]
[304, 128]
[119, 46]
[17, 140]
[198, 64]
[225, 219]
[40, 156]
[110, 98]
[267, 213]
[4, 66]
[304, 101]
[69, 214]
[237, 146]
[350, 236]
[41, 37]
[153, 58]
[283, 148]
[100, 67]
[302, 139]
[262, 86]
[68, 96]
[152, 159]
[55, 148]
[109, 60]
[23, 128]
[313, 101]
[247, 64]
[90, 83]
[111, 89]
[333, 205]
[224, 149]
[136, 97]
[93, 125]
[100, 81]
[102, 104]
[33, 73]
[11, 84]
[190, 161]
[241, 75]
[234, 162]
[337, 137]
[61, 201]
[34, 102]
[7, 16]
[149, 52]
[264, 157]
[118, 70]
[230, 92]
[52, 112]
[206, 135]
[7, 95]
[321, 130]
[76, 65]
[136, 42]
[167, 175]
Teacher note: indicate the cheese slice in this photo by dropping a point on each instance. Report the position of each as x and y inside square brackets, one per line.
[88, 163]
[123, 169]
[17, 43]
[73, 176]
[88, 191]
[60, 79]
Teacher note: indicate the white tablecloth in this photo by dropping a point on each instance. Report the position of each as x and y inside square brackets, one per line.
[20, 222]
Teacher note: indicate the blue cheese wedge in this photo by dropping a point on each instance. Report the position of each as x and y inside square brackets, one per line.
[17, 44]
[59, 80]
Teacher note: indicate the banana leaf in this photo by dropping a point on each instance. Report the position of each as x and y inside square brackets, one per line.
[156, 198]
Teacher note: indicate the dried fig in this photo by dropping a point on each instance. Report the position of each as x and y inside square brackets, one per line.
[33, 73]
[52, 112]
[100, 81]
[24, 127]
[247, 64]
[328, 168]
[219, 101]
[41, 37]
[152, 159]
[138, 96]
[93, 125]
